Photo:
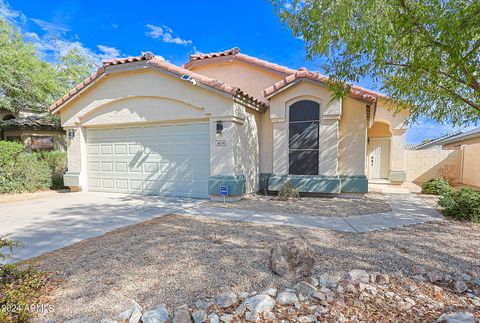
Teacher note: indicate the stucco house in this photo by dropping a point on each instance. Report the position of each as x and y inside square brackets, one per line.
[141, 124]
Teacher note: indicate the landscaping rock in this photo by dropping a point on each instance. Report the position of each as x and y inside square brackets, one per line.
[199, 316]
[434, 276]
[158, 315]
[227, 299]
[293, 258]
[460, 286]
[213, 318]
[305, 288]
[328, 280]
[108, 321]
[136, 316]
[287, 298]
[458, 317]
[312, 281]
[182, 315]
[270, 292]
[127, 314]
[358, 276]
[204, 304]
[226, 318]
[257, 305]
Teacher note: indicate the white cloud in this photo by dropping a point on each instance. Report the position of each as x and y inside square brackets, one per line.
[50, 27]
[108, 52]
[32, 36]
[115, 26]
[8, 13]
[165, 34]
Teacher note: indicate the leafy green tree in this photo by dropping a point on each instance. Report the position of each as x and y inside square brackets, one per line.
[26, 82]
[29, 83]
[426, 53]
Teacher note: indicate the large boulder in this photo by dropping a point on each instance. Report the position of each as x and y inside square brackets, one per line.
[293, 258]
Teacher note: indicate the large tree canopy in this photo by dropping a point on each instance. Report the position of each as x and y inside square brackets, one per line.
[426, 53]
[29, 83]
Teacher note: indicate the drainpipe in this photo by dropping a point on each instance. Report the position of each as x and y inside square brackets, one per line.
[265, 185]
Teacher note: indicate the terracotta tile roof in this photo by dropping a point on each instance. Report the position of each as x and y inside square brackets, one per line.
[165, 66]
[235, 54]
[291, 74]
[303, 73]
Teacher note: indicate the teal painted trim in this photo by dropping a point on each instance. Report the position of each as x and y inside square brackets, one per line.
[263, 177]
[71, 179]
[306, 183]
[236, 184]
[397, 176]
[354, 184]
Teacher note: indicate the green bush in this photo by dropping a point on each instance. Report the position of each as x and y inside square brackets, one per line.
[22, 172]
[463, 204]
[9, 151]
[288, 191]
[436, 186]
[57, 161]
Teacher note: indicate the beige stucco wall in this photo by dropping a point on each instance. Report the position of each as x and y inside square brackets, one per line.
[330, 113]
[252, 80]
[353, 138]
[422, 165]
[59, 140]
[3, 113]
[149, 96]
[471, 164]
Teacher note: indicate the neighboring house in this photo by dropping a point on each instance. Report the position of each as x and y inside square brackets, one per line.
[450, 141]
[140, 124]
[432, 144]
[35, 131]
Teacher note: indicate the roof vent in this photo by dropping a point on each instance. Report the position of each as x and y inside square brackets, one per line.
[148, 55]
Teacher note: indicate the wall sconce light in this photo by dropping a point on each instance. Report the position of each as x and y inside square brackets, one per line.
[71, 133]
[219, 127]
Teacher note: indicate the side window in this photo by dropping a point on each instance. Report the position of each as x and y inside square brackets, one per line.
[304, 123]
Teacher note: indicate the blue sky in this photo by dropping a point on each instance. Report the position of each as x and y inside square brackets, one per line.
[173, 30]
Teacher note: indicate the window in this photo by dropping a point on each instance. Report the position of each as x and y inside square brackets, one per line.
[304, 117]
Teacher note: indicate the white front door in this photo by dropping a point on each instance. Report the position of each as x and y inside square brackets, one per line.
[379, 158]
[157, 159]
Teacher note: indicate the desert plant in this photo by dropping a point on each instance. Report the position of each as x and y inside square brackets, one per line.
[288, 191]
[463, 204]
[436, 186]
[57, 162]
[20, 288]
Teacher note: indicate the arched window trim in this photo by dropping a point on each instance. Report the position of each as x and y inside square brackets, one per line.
[8, 117]
[304, 137]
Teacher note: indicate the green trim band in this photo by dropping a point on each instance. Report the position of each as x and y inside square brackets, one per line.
[71, 179]
[317, 184]
[236, 184]
[354, 184]
[306, 183]
[397, 176]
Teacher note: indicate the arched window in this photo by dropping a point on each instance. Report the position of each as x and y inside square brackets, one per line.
[304, 120]
[8, 117]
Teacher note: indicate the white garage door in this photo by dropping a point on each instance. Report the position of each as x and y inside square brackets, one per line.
[169, 160]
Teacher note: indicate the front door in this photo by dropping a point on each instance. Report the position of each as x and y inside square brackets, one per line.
[379, 157]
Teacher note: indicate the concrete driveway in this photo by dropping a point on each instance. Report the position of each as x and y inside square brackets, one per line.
[51, 223]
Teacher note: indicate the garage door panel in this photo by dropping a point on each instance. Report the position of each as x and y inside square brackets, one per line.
[155, 159]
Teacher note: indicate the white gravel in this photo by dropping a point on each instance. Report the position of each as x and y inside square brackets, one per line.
[177, 259]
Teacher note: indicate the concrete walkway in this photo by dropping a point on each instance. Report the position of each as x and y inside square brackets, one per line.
[51, 223]
[407, 209]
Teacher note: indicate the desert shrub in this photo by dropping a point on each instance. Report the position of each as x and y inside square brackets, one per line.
[57, 162]
[20, 288]
[463, 204]
[22, 172]
[436, 186]
[288, 191]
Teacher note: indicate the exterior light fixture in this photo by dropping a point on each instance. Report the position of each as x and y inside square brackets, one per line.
[219, 127]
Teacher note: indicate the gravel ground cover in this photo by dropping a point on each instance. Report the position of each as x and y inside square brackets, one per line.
[11, 198]
[178, 259]
[338, 206]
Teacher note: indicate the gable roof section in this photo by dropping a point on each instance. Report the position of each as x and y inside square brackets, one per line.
[474, 133]
[151, 61]
[304, 74]
[434, 142]
[291, 76]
